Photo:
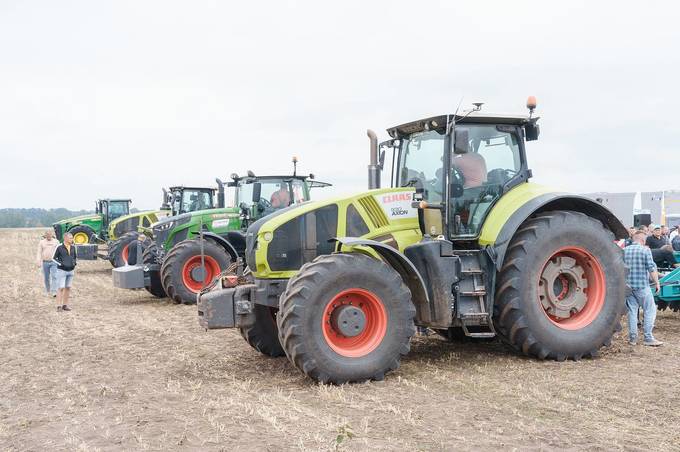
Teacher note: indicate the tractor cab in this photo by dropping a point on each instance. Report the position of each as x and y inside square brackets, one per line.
[258, 196]
[110, 209]
[460, 165]
[190, 199]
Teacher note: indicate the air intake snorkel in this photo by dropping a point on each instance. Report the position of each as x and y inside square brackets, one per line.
[220, 193]
[373, 167]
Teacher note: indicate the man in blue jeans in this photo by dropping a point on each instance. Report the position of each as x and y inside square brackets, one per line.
[641, 266]
[46, 249]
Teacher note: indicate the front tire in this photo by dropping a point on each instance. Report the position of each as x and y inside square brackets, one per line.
[561, 291]
[346, 318]
[150, 257]
[82, 235]
[263, 335]
[121, 252]
[181, 269]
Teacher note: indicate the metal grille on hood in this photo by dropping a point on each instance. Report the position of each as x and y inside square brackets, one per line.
[126, 226]
[375, 213]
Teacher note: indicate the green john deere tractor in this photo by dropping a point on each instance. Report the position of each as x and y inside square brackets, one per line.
[462, 244]
[178, 263]
[177, 200]
[111, 220]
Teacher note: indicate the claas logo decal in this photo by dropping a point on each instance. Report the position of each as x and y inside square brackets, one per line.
[394, 197]
[397, 205]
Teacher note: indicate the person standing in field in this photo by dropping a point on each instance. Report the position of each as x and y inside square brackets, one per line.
[48, 244]
[638, 260]
[65, 257]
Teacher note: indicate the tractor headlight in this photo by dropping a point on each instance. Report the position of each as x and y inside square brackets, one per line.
[164, 226]
[268, 236]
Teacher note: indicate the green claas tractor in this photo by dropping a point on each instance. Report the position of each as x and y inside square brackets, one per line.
[178, 263]
[177, 200]
[462, 244]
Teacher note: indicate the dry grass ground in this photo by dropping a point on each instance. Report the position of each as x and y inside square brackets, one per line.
[126, 371]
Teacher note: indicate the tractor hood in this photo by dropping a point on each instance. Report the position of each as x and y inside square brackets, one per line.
[92, 216]
[279, 244]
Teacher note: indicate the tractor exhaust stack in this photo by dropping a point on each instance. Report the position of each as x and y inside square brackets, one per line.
[373, 167]
[164, 204]
[220, 193]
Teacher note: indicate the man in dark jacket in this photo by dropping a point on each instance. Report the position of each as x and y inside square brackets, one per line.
[65, 257]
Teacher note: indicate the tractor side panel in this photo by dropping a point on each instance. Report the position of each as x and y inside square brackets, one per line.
[386, 214]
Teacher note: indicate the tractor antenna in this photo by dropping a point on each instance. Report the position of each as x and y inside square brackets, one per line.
[295, 160]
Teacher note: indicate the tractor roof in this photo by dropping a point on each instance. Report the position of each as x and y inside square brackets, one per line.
[115, 200]
[436, 122]
[182, 187]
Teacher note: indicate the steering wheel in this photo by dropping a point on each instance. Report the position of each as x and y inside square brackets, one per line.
[264, 203]
[456, 176]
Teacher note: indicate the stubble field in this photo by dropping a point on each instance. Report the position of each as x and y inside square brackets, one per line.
[126, 371]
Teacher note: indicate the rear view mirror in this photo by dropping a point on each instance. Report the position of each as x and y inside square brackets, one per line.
[531, 131]
[461, 141]
[257, 191]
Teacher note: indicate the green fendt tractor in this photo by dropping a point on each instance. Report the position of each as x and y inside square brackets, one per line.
[464, 244]
[176, 201]
[178, 264]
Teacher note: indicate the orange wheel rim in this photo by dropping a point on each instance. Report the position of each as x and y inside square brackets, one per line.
[125, 254]
[572, 288]
[190, 268]
[354, 303]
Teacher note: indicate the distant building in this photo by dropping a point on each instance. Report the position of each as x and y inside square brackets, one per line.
[621, 204]
[652, 201]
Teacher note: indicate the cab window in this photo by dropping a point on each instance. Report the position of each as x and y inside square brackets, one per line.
[421, 164]
[491, 160]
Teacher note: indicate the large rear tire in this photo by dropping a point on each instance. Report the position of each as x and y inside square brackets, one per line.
[121, 251]
[150, 257]
[346, 318]
[263, 335]
[561, 291]
[181, 269]
[82, 235]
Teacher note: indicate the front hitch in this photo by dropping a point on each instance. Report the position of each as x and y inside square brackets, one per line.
[227, 308]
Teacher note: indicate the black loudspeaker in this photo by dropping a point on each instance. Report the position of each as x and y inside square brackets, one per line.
[642, 219]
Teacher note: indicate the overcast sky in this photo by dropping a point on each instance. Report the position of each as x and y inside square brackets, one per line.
[106, 99]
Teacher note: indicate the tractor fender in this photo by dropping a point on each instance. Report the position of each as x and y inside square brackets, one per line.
[548, 202]
[221, 241]
[399, 262]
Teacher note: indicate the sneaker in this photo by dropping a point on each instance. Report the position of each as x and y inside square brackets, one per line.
[632, 342]
[65, 308]
[54, 295]
[653, 343]
[59, 308]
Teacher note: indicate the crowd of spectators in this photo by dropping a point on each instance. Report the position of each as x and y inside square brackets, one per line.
[662, 242]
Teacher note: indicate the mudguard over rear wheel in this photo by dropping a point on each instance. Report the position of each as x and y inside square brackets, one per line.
[346, 318]
[182, 273]
[561, 291]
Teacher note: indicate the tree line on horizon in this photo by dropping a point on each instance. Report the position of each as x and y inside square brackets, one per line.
[35, 217]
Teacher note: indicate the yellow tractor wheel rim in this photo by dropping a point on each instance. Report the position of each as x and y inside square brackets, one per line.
[80, 238]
